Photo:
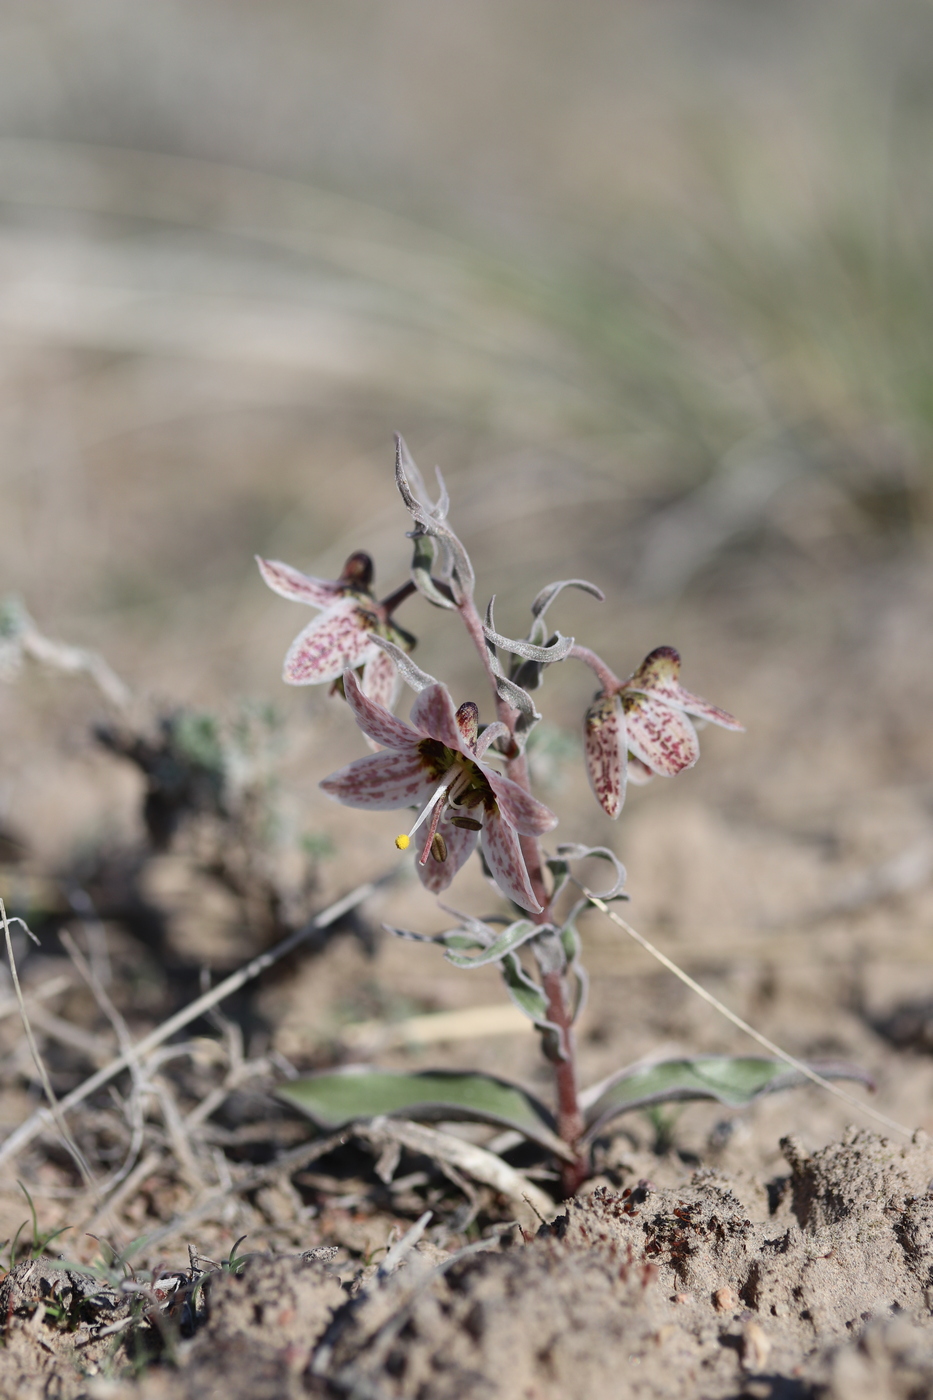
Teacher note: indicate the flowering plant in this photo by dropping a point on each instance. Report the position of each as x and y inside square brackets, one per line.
[467, 782]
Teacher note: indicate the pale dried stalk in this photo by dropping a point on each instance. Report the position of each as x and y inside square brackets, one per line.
[73, 660]
[57, 1111]
[473, 1161]
[737, 1021]
[23, 1135]
[125, 1042]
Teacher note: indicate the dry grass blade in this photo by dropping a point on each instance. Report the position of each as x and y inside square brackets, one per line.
[28, 1131]
[473, 1161]
[125, 1042]
[57, 1112]
[72, 660]
[737, 1021]
[249, 1180]
[404, 1246]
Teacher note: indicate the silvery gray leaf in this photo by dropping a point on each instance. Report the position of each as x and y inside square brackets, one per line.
[570, 942]
[463, 578]
[416, 481]
[519, 699]
[547, 595]
[476, 928]
[571, 851]
[422, 568]
[525, 993]
[409, 672]
[488, 631]
[492, 732]
[554, 652]
[548, 950]
[508, 941]
[413, 937]
[528, 674]
[538, 632]
[560, 869]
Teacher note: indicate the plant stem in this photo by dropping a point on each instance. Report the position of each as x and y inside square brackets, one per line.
[474, 625]
[389, 604]
[607, 678]
[570, 1123]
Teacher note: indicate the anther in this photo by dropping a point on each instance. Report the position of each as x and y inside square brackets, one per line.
[439, 848]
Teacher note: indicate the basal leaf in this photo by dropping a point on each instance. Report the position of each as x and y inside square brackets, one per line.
[730, 1080]
[335, 1098]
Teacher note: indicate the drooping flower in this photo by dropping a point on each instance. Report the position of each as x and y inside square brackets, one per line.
[435, 765]
[641, 727]
[338, 638]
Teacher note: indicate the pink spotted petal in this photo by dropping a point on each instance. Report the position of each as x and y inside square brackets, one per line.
[336, 639]
[639, 774]
[659, 675]
[663, 738]
[694, 705]
[504, 858]
[436, 875]
[433, 714]
[381, 680]
[606, 749]
[524, 812]
[301, 588]
[375, 720]
[382, 781]
[660, 667]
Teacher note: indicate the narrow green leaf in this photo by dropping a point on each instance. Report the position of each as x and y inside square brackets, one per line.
[730, 1080]
[335, 1098]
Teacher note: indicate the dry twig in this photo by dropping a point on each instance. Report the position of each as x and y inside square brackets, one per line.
[23, 1135]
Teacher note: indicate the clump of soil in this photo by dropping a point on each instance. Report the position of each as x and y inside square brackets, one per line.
[680, 1293]
[691, 1290]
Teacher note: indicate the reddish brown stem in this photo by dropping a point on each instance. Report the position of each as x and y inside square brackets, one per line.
[569, 1117]
[405, 590]
[607, 678]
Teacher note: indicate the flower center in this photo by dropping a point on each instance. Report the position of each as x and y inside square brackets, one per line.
[462, 786]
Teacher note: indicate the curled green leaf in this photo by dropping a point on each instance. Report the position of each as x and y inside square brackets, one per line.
[508, 941]
[525, 993]
[570, 942]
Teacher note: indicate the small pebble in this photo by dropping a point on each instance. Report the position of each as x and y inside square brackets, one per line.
[725, 1299]
[681, 1298]
[756, 1346]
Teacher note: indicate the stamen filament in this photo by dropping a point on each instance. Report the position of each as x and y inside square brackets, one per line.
[432, 832]
[403, 841]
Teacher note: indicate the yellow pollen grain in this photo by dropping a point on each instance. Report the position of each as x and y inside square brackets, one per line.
[403, 842]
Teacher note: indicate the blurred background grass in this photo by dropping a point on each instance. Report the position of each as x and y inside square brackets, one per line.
[650, 280]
